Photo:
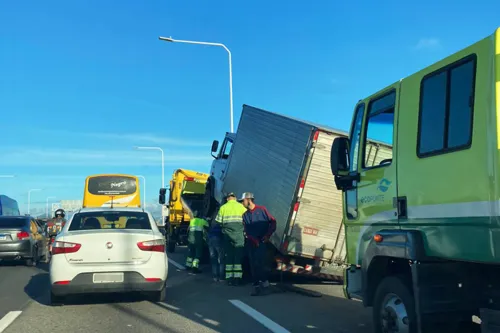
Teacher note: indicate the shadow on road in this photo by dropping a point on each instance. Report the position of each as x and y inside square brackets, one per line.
[38, 288]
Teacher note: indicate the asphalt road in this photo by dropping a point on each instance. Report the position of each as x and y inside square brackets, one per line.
[193, 304]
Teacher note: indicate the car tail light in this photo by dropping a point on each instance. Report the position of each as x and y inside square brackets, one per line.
[23, 235]
[65, 247]
[153, 279]
[62, 282]
[157, 245]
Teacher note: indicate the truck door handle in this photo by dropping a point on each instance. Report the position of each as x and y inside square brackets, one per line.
[402, 207]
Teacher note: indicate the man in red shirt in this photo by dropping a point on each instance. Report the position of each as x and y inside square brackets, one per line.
[259, 225]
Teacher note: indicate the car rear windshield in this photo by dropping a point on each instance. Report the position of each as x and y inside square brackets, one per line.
[13, 222]
[110, 220]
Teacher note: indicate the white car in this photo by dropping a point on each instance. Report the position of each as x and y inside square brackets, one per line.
[105, 250]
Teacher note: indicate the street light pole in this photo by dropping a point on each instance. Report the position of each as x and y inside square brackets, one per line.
[170, 39]
[47, 206]
[162, 161]
[144, 187]
[162, 172]
[29, 197]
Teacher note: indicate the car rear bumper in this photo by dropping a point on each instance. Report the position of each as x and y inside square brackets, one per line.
[13, 250]
[83, 284]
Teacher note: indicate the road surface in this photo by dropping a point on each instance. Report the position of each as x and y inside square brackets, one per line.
[193, 304]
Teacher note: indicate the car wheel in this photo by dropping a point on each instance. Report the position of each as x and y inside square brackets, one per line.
[394, 307]
[159, 296]
[55, 299]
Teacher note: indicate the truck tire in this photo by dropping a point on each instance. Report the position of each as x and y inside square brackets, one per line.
[394, 307]
[171, 242]
[208, 199]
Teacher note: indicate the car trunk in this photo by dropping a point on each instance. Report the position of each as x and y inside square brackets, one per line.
[10, 234]
[108, 246]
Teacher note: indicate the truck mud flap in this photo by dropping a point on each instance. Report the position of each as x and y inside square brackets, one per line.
[490, 321]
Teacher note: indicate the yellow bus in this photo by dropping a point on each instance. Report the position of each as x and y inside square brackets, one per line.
[111, 190]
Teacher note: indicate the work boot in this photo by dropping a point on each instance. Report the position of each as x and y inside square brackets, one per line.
[265, 288]
[256, 290]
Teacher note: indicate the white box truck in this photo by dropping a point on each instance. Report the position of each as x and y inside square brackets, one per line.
[285, 162]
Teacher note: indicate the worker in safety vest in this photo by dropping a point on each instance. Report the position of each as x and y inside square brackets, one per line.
[196, 238]
[230, 217]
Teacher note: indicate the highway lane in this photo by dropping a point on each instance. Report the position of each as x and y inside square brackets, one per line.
[16, 291]
[193, 304]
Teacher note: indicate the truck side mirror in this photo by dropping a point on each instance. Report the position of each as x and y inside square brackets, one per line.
[215, 146]
[162, 197]
[339, 158]
[339, 164]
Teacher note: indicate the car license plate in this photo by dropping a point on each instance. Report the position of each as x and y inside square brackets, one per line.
[108, 277]
[3, 237]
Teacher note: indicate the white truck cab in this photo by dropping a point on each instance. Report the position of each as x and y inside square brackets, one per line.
[213, 194]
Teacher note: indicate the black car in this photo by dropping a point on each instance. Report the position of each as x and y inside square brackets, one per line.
[22, 238]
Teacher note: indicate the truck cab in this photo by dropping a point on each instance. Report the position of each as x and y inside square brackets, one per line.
[423, 240]
[221, 154]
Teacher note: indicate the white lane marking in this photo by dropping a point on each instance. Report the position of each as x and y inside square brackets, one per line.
[268, 323]
[179, 266]
[8, 319]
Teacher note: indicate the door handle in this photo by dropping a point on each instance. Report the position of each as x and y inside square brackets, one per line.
[401, 206]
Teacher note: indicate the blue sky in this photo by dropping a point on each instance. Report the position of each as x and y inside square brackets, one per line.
[84, 81]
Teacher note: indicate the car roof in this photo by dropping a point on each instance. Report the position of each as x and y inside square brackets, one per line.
[108, 209]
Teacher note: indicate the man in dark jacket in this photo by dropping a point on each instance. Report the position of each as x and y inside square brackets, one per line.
[216, 247]
[259, 225]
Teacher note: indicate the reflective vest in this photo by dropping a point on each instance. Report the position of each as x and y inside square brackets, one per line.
[196, 225]
[230, 217]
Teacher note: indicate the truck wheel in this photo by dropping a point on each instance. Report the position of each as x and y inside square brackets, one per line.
[170, 243]
[171, 247]
[394, 307]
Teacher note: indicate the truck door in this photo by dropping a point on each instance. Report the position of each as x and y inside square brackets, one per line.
[369, 203]
[220, 165]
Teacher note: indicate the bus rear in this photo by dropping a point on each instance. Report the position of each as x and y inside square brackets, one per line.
[111, 190]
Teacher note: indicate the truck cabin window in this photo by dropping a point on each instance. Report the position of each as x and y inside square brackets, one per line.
[226, 149]
[446, 109]
[379, 131]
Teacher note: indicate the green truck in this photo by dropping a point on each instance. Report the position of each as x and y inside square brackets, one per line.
[423, 227]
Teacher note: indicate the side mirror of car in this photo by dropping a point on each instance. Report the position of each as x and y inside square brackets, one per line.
[162, 196]
[339, 164]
